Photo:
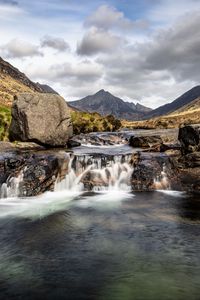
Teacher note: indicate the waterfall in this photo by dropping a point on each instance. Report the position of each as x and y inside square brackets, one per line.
[103, 173]
[10, 189]
[83, 173]
[162, 182]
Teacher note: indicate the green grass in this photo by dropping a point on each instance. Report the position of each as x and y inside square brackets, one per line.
[84, 122]
[5, 119]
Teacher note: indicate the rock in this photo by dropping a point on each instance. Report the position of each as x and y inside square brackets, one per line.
[72, 144]
[154, 171]
[189, 137]
[39, 170]
[40, 118]
[106, 139]
[145, 141]
[190, 180]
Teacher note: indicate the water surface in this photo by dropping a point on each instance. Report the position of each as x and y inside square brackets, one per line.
[112, 245]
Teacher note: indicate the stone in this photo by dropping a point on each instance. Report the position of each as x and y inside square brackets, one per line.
[40, 118]
[145, 141]
[40, 169]
[189, 137]
[154, 171]
[73, 143]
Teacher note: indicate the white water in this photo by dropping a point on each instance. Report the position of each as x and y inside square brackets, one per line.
[113, 173]
[104, 174]
[107, 177]
[162, 182]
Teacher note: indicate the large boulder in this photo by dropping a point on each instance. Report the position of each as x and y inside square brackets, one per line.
[40, 118]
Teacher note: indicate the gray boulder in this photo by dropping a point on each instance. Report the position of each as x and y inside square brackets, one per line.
[41, 118]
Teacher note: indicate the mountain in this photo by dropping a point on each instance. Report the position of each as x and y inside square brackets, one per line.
[12, 82]
[180, 102]
[46, 88]
[105, 103]
[192, 107]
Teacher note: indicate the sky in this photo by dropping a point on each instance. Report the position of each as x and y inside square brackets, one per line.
[145, 51]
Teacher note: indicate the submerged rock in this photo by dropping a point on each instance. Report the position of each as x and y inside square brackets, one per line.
[40, 118]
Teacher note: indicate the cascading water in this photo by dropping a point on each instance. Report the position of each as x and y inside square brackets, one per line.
[84, 173]
[97, 174]
[11, 187]
[162, 182]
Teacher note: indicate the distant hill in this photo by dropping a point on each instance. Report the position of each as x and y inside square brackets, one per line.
[12, 82]
[188, 108]
[105, 103]
[187, 114]
[179, 103]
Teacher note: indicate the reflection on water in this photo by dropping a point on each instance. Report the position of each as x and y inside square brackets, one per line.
[100, 246]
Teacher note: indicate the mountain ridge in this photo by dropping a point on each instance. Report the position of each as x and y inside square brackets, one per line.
[176, 104]
[105, 103]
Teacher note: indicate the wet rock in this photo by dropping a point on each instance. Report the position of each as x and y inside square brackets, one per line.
[73, 143]
[189, 137]
[190, 180]
[41, 118]
[39, 170]
[145, 141]
[107, 139]
[153, 172]
[189, 160]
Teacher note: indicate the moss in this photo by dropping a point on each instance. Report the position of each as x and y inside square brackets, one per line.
[5, 119]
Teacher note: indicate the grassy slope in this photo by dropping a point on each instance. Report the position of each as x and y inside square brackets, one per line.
[84, 122]
[189, 114]
[10, 87]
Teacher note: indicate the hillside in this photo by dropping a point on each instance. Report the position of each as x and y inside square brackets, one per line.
[188, 114]
[105, 103]
[180, 102]
[12, 81]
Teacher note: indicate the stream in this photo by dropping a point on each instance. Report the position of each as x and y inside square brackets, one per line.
[104, 243]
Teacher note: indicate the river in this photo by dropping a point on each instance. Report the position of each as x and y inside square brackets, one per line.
[104, 244]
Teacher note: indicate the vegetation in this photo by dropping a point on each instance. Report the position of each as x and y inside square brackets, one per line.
[185, 116]
[5, 119]
[10, 87]
[84, 122]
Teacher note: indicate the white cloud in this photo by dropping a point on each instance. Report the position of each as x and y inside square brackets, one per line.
[19, 49]
[98, 41]
[56, 43]
[10, 10]
[107, 17]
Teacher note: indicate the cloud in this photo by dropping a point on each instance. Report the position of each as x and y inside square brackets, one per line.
[19, 49]
[98, 41]
[10, 10]
[56, 43]
[177, 49]
[107, 17]
[9, 2]
[84, 71]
